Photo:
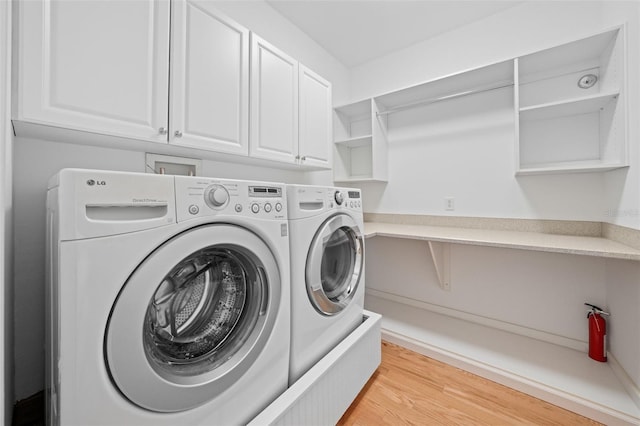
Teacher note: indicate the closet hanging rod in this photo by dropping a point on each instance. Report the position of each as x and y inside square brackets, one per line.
[429, 101]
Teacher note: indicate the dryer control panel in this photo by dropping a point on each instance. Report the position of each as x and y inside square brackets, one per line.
[201, 196]
[307, 200]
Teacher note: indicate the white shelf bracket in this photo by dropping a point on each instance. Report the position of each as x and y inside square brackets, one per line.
[441, 257]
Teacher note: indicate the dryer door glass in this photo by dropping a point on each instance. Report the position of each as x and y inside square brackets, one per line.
[334, 265]
[338, 260]
[193, 317]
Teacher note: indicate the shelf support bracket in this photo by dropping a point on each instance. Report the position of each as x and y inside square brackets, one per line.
[441, 257]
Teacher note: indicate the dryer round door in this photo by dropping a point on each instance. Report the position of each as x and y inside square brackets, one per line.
[193, 317]
[334, 264]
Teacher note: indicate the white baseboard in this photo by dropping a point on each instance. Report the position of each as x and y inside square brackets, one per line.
[625, 380]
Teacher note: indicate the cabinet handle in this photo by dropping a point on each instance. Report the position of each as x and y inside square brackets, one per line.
[297, 157]
[304, 158]
[178, 134]
[163, 130]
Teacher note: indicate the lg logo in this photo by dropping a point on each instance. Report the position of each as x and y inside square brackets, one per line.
[92, 182]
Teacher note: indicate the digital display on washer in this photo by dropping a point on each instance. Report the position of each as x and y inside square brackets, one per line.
[354, 194]
[265, 191]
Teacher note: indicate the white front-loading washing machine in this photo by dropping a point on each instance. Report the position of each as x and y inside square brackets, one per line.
[168, 299]
[326, 231]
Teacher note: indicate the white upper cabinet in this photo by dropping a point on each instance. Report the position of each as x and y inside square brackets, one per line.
[290, 109]
[314, 145]
[274, 103]
[97, 66]
[209, 80]
[175, 72]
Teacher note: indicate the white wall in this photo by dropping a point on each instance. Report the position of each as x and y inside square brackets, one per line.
[477, 166]
[6, 246]
[622, 187]
[623, 278]
[537, 292]
[35, 161]
[622, 190]
[623, 301]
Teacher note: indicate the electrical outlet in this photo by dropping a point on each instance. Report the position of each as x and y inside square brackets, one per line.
[449, 203]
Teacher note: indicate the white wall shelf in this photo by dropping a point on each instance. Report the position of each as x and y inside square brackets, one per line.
[561, 126]
[358, 179]
[569, 244]
[356, 110]
[464, 83]
[360, 143]
[355, 142]
[568, 167]
[575, 106]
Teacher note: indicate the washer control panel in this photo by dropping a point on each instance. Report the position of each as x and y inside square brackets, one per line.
[266, 199]
[201, 196]
[346, 198]
[216, 196]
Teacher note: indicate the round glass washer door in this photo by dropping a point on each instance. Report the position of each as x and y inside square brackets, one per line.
[334, 264]
[192, 318]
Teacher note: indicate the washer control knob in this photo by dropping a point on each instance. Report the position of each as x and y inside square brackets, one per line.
[267, 207]
[216, 196]
[339, 197]
[255, 207]
[238, 208]
[193, 209]
[278, 207]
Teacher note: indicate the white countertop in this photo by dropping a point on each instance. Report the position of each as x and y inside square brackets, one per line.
[589, 246]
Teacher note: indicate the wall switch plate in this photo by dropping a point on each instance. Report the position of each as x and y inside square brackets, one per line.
[449, 203]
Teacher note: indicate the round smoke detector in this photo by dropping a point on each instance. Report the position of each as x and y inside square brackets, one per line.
[587, 81]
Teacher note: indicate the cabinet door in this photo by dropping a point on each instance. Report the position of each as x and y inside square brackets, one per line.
[274, 103]
[100, 66]
[315, 119]
[209, 79]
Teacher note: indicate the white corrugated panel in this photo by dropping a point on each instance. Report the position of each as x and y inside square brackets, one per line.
[324, 393]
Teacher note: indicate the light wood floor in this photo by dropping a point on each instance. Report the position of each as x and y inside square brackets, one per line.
[409, 388]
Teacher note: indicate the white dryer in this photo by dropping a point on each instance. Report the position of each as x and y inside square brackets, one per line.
[168, 297]
[326, 231]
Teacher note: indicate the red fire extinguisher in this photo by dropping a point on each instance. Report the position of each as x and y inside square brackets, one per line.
[597, 333]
